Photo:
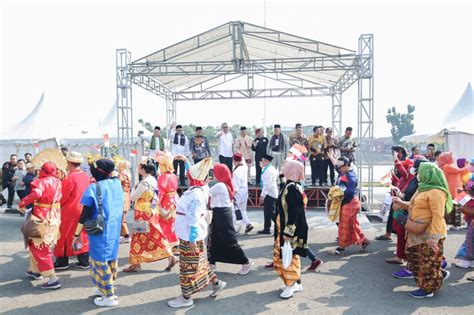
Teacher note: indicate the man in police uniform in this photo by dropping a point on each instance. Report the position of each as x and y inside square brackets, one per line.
[259, 146]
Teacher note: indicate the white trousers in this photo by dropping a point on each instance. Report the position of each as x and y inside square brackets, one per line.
[241, 200]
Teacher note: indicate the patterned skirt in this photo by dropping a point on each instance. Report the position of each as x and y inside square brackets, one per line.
[103, 275]
[151, 246]
[349, 231]
[466, 251]
[425, 264]
[194, 271]
[291, 274]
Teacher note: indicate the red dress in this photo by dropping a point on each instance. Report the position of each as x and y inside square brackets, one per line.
[167, 187]
[73, 186]
[45, 194]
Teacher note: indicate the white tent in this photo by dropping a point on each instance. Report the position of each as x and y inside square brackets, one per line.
[463, 109]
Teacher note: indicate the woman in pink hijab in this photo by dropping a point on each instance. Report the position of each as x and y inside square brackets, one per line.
[452, 172]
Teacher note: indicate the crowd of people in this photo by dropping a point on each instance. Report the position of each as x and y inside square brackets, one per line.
[85, 215]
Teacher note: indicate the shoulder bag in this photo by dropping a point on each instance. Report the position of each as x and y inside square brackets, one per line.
[96, 226]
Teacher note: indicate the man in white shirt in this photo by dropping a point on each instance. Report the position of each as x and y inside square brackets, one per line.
[226, 146]
[240, 183]
[180, 150]
[269, 193]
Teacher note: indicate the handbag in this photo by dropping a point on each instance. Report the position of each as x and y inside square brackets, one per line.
[96, 226]
[33, 227]
[238, 212]
[416, 227]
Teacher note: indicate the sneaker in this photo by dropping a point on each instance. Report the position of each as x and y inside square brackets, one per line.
[289, 290]
[403, 273]
[82, 266]
[445, 265]
[461, 264]
[213, 267]
[124, 240]
[314, 265]
[246, 268]
[180, 301]
[60, 266]
[216, 289]
[446, 274]
[97, 292]
[266, 232]
[34, 275]
[298, 288]
[420, 294]
[51, 285]
[248, 228]
[106, 301]
[269, 266]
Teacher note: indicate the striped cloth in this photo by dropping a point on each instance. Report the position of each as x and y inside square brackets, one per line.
[291, 274]
[194, 271]
[103, 275]
[350, 232]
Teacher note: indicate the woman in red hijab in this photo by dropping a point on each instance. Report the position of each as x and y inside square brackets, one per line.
[223, 245]
[46, 196]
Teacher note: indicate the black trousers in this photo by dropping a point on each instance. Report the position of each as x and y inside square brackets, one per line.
[269, 212]
[258, 170]
[21, 194]
[328, 165]
[83, 259]
[179, 164]
[317, 170]
[196, 161]
[11, 195]
[227, 161]
[389, 228]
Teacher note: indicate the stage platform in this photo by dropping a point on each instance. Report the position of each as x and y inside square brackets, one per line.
[317, 196]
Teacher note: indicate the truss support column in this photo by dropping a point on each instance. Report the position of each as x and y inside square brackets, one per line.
[170, 112]
[124, 103]
[336, 113]
[365, 128]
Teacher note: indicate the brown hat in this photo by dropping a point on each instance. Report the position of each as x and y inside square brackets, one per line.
[74, 157]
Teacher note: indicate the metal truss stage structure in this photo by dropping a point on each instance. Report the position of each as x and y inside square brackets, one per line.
[232, 60]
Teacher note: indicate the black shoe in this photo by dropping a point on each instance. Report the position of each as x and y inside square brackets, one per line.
[248, 228]
[81, 265]
[51, 286]
[267, 232]
[61, 264]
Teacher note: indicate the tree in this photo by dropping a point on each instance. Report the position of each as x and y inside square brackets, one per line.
[402, 124]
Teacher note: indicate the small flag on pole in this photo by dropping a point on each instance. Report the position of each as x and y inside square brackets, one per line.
[133, 153]
[106, 140]
[37, 147]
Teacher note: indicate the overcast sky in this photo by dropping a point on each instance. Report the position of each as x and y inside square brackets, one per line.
[423, 56]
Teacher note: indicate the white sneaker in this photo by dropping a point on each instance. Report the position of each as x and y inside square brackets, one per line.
[216, 289]
[299, 288]
[180, 301]
[105, 301]
[97, 292]
[464, 264]
[246, 268]
[288, 292]
[124, 240]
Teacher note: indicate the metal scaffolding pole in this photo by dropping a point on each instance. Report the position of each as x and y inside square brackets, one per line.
[124, 103]
[365, 129]
[336, 114]
[170, 112]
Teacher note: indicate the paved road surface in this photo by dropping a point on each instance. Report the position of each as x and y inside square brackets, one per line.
[356, 283]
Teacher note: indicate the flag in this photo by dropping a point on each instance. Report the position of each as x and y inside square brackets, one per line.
[386, 180]
[106, 140]
[133, 153]
[37, 147]
[462, 198]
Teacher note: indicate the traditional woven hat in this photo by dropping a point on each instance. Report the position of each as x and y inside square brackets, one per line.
[75, 157]
[50, 155]
[200, 170]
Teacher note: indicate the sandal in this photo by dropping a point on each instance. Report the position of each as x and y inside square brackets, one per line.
[383, 238]
[132, 268]
[337, 251]
[173, 262]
